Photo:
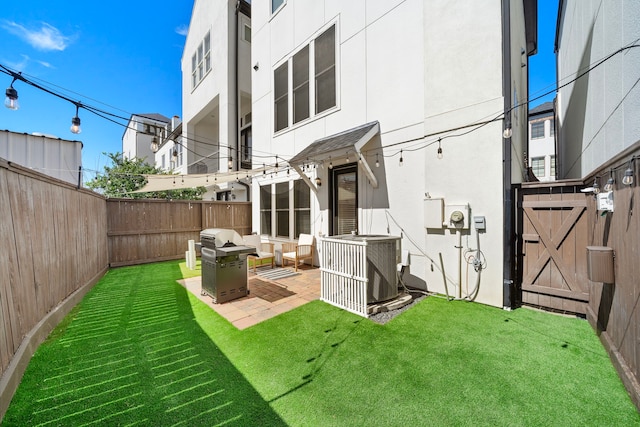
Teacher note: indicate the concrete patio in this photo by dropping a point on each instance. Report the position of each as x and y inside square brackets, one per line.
[267, 298]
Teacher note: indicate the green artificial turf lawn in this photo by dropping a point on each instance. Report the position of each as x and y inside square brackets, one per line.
[141, 350]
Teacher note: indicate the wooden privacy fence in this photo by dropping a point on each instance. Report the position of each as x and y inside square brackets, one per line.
[54, 244]
[142, 231]
[554, 240]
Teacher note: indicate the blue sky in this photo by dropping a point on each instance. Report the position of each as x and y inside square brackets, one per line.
[120, 56]
[124, 57]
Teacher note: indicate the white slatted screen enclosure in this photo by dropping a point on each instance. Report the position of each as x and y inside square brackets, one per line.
[358, 270]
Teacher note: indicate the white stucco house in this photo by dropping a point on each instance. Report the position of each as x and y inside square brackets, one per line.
[386, 117]
[542, 142]
[597, 113]
[141, 130]
[47, 154]
[216, 94]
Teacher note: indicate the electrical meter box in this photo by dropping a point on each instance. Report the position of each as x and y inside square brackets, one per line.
[456, 216]
[433, 213]
[605, 201]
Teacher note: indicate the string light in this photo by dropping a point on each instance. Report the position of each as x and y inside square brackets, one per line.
[596, 186]
[401, 159]
[154, 144]
[230, 163]
[439, 155]
[75, 122]
[627, 179]
[609, 185]
[377, 161]
[330, 164]
[11, 100]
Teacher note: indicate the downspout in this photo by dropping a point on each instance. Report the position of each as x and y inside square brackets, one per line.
[507, 283]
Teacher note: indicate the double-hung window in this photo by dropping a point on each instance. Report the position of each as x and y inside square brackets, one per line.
[315, 62]
[537, 166]
[291, 211]
[537, 130]
[282, 209]
[281, 97]
[201, 61]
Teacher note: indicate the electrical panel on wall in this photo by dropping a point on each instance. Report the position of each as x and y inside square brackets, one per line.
[456, 216]
[433, 212]
[605, 201]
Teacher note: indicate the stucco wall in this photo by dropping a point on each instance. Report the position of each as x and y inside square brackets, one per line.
[597, 113]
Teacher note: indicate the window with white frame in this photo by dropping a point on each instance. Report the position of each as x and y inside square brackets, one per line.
[552, 171]
[537, 166]
[292, 209]
[552, 127]
[281, 97]
[162, 162]
[265, 209]
[537, 130]
[201, 61]
[276, 4]
[178, 148]
[246, 35]
[282, 209]
[301, 208]
[305, 65]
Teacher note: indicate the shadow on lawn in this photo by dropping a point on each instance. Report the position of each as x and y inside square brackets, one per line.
[133, 354]
[328, 348]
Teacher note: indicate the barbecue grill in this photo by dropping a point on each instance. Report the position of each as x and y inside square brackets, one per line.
[224, 264]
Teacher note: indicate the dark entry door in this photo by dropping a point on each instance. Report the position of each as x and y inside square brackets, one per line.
[344, 199]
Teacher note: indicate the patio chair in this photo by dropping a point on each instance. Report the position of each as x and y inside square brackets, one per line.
[264, 251]
[300, 251]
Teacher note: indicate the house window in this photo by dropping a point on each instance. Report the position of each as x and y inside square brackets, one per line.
[162, 162]
[325, 68]
[247, 33]
[201, 61]
[276, 4]
[302, 207]
[265, 209]
[537, 130]
[281, 99]
[552, 126]
[321, 65]
[552, 172]
[245, 148]
[282, 209]
[537, 166]
[301, 85]
[178, 148]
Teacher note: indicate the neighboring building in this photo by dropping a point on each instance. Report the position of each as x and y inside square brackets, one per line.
[356, 95]
[542, 142]
[59, 158]
[170, 154]
[216, 93]
[140, 132]
[598, 113]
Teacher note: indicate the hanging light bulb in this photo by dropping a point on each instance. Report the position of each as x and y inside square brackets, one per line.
[609, 185]
[596, 186]
[288, 172]
[401, 159]
[174, 155]
[347, 158]
[264, 169]
[11, 100]
[154, 145]
[75, 122]
[439, 155]
[627, 179]
[230, 162]
[377, 161]
[330, 164]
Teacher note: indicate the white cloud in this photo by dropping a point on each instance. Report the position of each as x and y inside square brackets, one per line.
[182, 30]
[46, 38]
[45, 64]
